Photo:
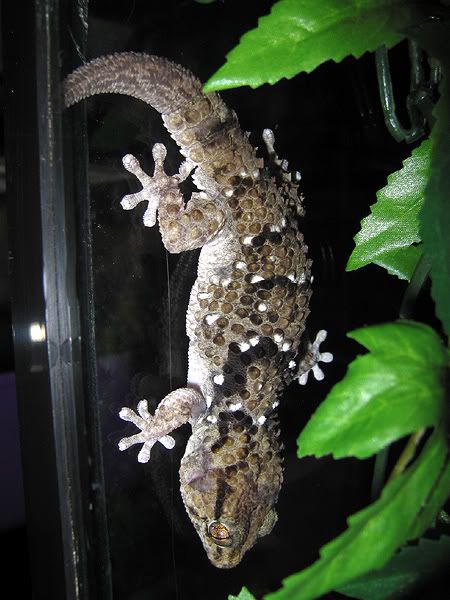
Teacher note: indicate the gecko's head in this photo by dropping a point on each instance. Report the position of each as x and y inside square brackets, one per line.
[230, 502]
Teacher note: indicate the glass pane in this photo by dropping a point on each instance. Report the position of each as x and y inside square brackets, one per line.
[324, 124]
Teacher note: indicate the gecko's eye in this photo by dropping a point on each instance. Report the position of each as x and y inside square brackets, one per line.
[220, 533]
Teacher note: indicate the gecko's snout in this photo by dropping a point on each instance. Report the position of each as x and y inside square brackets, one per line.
[224, 558]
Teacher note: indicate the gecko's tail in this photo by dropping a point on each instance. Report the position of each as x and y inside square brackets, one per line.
[206, 131]
[158, 82]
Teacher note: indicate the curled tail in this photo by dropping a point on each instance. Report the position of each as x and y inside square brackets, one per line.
[205, 129]
[155, 80]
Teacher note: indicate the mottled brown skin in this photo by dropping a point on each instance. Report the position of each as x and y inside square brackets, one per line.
[231, 474]
[248, 306]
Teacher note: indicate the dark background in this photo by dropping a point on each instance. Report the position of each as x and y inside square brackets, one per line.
[330, 126]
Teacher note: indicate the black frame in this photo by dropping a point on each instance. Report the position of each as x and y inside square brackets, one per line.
[50, 266]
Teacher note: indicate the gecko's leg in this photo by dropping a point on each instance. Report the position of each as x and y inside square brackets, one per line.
[269, 141]
[310, 362]
[178, 407]
[287, 180]
[182, 228]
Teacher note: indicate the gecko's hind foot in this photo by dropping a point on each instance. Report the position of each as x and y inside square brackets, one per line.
[288, 180]
[155, 187]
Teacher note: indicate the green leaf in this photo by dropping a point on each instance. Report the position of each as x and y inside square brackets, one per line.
[395, 389]
[244, 594]
[299, 35]
[376, 532]
[413, 565]
[435, 215]
[387, 233]
[400, 262]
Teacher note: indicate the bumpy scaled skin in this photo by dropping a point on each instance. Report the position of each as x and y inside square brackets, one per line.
[247, 308]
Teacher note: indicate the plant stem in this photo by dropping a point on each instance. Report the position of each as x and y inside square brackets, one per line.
[407, 455]
[416, 284]
[379, 472]
[407, 308]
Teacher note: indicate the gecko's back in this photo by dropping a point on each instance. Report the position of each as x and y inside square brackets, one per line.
[247, 308]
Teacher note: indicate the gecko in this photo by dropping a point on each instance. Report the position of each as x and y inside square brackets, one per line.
[248, 306]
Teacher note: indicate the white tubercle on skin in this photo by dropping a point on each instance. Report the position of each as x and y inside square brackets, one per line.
[219, 379]
[212, 318]
[256, 278]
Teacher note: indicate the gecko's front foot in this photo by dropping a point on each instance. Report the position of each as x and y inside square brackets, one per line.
[310, 363]
[145, 422]
[177, 408]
